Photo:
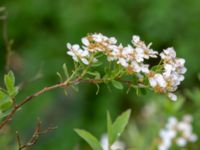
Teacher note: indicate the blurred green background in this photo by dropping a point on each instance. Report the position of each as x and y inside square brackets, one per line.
[41, 28]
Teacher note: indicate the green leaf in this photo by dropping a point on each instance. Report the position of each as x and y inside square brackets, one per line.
[134, 79]
[4, 114]
[90, 139]
[98, 88]
[65, 70]
[109, 128]
[156, 68]
[119, 125]
[60, 76]
[9, 80]
[96, 74]
[178, 105]
[140, 91]
[75, 88]
[117, 84]
[97, 64]
[5, 101]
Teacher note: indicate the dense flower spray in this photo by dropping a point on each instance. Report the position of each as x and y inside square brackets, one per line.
[177, 133]
[162, 78]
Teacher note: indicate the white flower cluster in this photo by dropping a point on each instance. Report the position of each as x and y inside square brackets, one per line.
[131, 58]
[118, 145]
[177, 132]
[172, 74]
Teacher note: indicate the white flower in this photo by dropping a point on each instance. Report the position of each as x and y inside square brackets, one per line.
[144, 68]
[193, 138]
[181, 142]
[147, 52]
[132, 58]
[128, 52]
[183, 126]
[172, 96]
[115, 146]
[162, 147]
[72, 49]
[85, 41]
[99, 37]
[167, 134]
[112, 40]
[123, 62]
[171, 76]
[178, 131]
[157, 80]
[77, 53]
[172, 121]
[135, 39]
[168, 54]
[139, 54]
[135, 66]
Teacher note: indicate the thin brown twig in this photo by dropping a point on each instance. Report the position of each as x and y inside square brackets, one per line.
[26, 100]
[35, 136]
[46, 89]
[29, 98]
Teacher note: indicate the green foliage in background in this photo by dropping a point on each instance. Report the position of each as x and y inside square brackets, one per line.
[41, 28]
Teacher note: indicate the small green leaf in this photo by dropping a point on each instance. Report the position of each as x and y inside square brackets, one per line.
[156, 68]
[109, 128]
[89, 138]
[98, 88]
[134, 79]
[119, 125]
[60, 76]
[5, 101]
[2, 95]
[9, 80]
[138, 91]
[65, 70]
[143, 91]
[95, 74]
[117, 84]
[75, 88]
[97, 64]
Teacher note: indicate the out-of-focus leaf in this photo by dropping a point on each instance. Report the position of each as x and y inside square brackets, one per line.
[96, 74]
[97, 64]
[143, 91]
[109, 128]
[60, 76]
[75, 88]
[177, 106]
[89, 138]
[5, 101]
[117, 84]
[98, 88]
[118, 126]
